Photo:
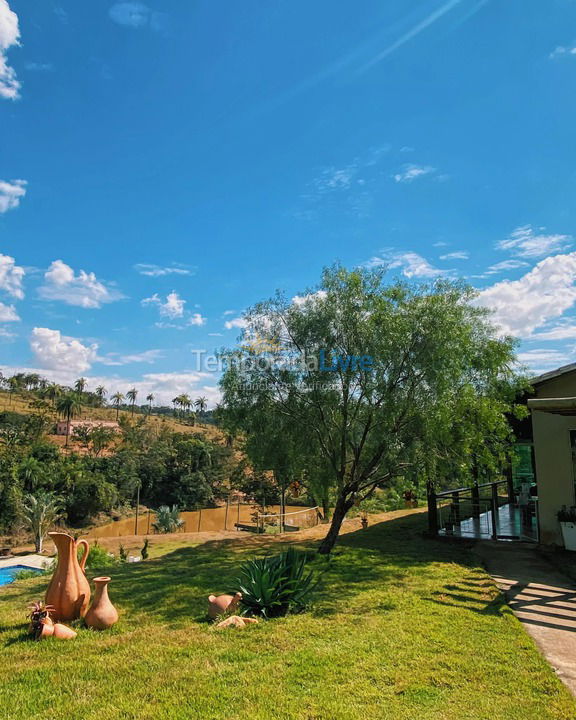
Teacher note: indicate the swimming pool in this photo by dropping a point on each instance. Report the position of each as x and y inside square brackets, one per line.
[7, 574]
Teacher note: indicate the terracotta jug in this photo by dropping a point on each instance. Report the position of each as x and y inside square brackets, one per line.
[102, 614]
[69, 590]
[221, 604]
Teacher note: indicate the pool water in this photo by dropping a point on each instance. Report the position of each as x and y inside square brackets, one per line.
[7, 574]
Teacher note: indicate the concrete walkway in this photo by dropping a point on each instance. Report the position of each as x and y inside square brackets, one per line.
[541, 597]
[31, 561]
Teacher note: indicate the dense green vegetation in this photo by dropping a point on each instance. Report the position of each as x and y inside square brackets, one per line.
[168, 467]
[400, 627]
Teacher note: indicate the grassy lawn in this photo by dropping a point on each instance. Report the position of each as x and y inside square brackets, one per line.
[401, 627]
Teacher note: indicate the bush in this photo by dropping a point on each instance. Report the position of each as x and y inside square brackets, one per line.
[98, 558]
[275, 586]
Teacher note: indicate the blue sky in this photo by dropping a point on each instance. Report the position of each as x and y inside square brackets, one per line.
[163, 166]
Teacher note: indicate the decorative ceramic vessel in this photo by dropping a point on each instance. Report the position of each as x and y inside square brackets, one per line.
[218, 605]
[62, 632]
[69, 590]
[102, 614]
[236, 621]
[47, 629]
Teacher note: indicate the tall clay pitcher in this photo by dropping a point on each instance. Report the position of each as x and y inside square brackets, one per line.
[69, 590]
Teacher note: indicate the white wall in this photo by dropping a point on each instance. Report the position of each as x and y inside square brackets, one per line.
[554, 472]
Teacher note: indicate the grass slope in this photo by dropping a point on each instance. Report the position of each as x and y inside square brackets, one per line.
[20, 403]
[401, 628]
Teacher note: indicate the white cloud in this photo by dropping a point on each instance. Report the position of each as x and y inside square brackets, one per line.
[152, 270]
[8, 313]
[58, 352]
[459, 255]
[9, 36]
[137, 15]
[560, 332]
[412, 264]
[172, 307]
[238, 322]
[147, 356]
[6, 334]
[196, 319]
[546, 292]
[11, 192]
[539, 361]
[411, 172]
[39, 67]
[311, 297]
[526, 242]
[504, 266]
[563, 51]
[82, 290]
[11, 277]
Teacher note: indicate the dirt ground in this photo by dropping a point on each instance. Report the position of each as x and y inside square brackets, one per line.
[133, 543]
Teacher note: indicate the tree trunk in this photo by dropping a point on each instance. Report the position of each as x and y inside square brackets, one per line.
[340, 510]
[38, 542]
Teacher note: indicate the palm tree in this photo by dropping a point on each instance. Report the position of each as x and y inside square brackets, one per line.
[100, 393]
[186, 402]
[150, 398]
[69, 406]
[167, 519]
[40, 512]
[201, 404]
[29, 470]
[13, 386]
[116, 401]
[175, 402]
[131, 395]
[80, 385]
[53, 391]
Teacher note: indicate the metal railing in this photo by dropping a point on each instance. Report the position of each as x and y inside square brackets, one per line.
[480, 502]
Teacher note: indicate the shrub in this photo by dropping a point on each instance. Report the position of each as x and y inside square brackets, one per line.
[276, 585]
[98, 557]
[167, 519]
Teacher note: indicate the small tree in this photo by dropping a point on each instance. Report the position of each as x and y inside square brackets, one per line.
[40, 512]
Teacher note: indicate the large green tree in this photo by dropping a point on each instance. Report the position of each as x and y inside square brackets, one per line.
[371, 380]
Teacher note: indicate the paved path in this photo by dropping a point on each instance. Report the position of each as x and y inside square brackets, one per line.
[541, 597]
[31, 561]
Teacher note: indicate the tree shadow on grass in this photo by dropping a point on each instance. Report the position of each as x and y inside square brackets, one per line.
[174, 587]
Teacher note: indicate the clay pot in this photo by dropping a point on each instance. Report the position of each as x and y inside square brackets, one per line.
[102, 614]
[69, 590]
[236, 621]
[47, 629]
[218, 605]
[62, 632]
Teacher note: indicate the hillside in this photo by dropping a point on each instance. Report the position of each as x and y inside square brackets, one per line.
[24, 404]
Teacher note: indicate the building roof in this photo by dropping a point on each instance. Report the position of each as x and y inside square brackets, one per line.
[557, 406]
[553, 374]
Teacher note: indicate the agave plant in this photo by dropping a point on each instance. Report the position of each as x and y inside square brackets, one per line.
[167, 519]
[273, 586]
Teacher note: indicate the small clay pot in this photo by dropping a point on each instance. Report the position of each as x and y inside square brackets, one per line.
[63, 632]
[102, 614]
[47, 629]
[221, 604]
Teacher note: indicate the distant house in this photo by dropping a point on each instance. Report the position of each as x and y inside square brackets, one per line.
[62, 426]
